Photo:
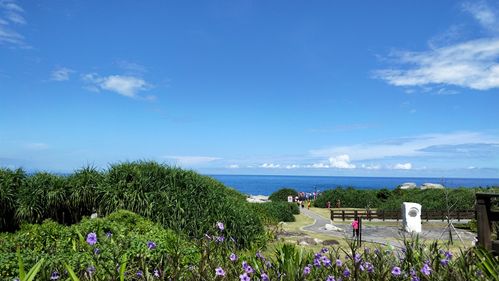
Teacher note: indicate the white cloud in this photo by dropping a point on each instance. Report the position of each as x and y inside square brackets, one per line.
[192, 160]
[61, 74]
[370, 166]
[292, 166]
[270, 166]
[341, 162]
[233, 166]
[483, 13]
[402, 166]
[469, 64]
[12, 15]
[318, 166]
[406, 146]
[128, 86]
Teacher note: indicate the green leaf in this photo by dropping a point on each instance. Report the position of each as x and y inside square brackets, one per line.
[71, 273]
[123, 267]
[22, 273]
[34, 271]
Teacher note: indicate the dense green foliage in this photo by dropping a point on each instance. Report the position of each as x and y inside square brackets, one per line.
[274, 212]
[178, 199]
[282, 194]
[125, 246]
[120, 234]
[384, 199]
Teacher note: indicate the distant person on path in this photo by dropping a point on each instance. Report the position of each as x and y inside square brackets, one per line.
[355, 227]
[308, 204]
[328, 205]
[338, 203]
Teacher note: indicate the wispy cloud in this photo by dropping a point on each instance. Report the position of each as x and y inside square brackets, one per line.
[61, 74]
[128, 86]
[420, 145]
[11, 16]
[270, 166]
[191, 160]
[402, 166]
[483, 13]
[469, 64]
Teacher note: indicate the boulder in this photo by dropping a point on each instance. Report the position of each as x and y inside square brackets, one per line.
[307, 241]
[330, 242]
[332, 227]
[408, 185]
[431, 186]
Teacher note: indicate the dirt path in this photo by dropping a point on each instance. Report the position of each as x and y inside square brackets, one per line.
[387, 235]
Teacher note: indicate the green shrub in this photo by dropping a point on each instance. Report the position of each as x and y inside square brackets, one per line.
[349, 198]
[282, 194]
[10, 185]
[274, 212]
[178, 199]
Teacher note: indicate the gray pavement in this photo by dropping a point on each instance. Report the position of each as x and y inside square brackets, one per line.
[387, 235]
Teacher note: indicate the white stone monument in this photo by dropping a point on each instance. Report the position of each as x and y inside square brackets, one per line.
[411, 217]
[290, 199]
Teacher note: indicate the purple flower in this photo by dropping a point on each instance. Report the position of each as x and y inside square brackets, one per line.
[219, 271]
[233, 257]
[396, 271]
[324, 250]
[109, 234]
[96, 251]
[330, 278]
[338, 263]
[318, 255]
[248, 269]
[479, 273]
[357, 258]
[361, 267]
[264, 277]
[369, 266]
[412, 272]
[444, 262]
[220, 226]
[140, 273]
[346, 272]
[426, 269]
[91, 269]
[306, 270]
[219, 239]
[151, 245]
[91, 238]
[415, 278]
[326, 261]
[317, 262]
[244, 277]
[55, 275]
[268, 264]
[16, 279]
[366, 250]
[448, 255]
[376, 251]
[245, 264]
[156, 273]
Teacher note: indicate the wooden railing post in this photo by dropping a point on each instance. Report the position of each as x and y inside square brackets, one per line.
[483, 229]
[343, 214]
[383, 214]
[458, 216]
[332, 215]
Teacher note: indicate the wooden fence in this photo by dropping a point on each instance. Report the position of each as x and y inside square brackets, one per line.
[397, 215]
[487, 213]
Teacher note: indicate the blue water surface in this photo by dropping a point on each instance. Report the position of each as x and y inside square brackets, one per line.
[265, 185]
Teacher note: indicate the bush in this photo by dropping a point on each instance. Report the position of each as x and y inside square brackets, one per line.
[349, 198]
[10, 185]
[282, 194]
[121, 233]
[274, 212]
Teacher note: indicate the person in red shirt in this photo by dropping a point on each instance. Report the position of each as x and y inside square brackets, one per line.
[355, 227]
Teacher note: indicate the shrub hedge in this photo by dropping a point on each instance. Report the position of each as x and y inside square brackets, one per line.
[282, 194]
[177, 199]
[274, 212]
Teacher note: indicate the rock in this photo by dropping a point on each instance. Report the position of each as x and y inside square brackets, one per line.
[408, 185]
[258, 199]
[332, 227]
[317, 241]
[306, 241]
[330, 242]
[432, 186]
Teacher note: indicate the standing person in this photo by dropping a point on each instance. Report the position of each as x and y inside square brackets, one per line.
[328, 205]
[355, 227]
[308, 204]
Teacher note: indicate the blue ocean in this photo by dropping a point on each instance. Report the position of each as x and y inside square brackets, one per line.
[265, 185]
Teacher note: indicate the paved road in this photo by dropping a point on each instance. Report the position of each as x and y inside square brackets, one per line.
[378, 234]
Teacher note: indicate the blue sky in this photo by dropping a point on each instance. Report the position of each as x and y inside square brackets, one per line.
[372, 88]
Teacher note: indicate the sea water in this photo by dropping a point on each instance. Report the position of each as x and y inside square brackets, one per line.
[265, 185]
